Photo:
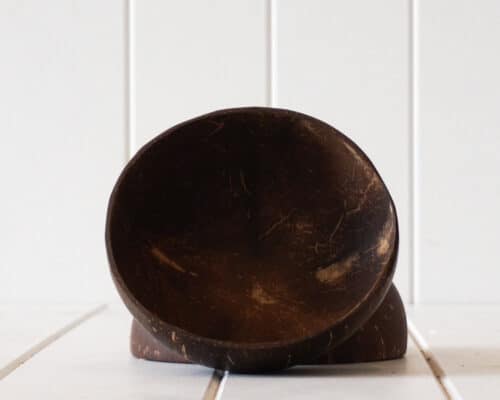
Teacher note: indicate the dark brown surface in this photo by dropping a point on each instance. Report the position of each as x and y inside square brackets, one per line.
[251, 239]
[383, 337]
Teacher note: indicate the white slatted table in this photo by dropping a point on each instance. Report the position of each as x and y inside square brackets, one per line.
[465, 341]
[93, 361]
[409, 378]
[76, 355]
[24, 326]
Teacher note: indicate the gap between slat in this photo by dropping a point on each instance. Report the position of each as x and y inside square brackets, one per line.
[215, 386]
[17, 362]
[413, 88]
[130, 104]
[447, 386]
[271, 50]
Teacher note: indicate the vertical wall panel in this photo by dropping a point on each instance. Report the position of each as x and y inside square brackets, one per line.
[61, 145]
[347, 62]
[192, 57]
[458, 119]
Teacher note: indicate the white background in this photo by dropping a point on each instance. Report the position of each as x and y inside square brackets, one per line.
[84, 83]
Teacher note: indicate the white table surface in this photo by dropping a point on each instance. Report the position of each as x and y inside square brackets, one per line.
[24, 327]
[408, 378]
[81, 352]
[93, 361]
[465, 341]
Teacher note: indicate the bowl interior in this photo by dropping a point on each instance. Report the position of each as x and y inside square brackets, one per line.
[251, 225]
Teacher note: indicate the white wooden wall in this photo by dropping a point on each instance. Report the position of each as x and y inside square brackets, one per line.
[85, 83]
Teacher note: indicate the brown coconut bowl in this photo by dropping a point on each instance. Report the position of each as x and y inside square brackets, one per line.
[251, 239]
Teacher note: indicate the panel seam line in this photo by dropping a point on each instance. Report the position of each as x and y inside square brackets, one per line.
[413, 153]
[129, 79]
[271, 49]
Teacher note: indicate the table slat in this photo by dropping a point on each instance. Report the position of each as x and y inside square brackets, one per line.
[465, 341]
[24, 326]
[94, 361]
[408, 378]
